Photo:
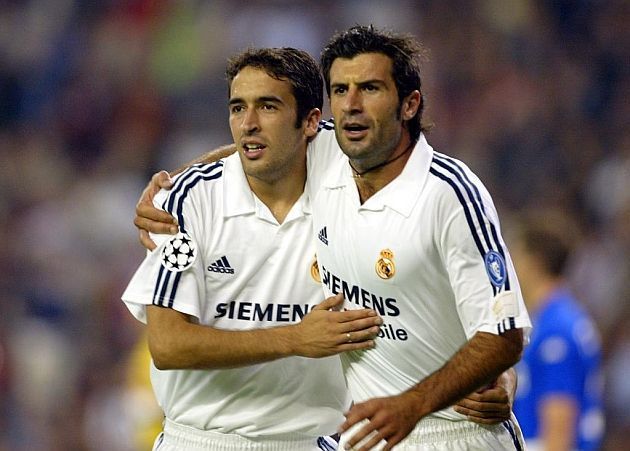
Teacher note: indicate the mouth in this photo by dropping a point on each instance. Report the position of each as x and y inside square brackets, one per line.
[354, 131]
[253, 150]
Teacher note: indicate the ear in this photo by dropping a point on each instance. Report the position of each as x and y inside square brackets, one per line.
[410, 105]
[311, 122]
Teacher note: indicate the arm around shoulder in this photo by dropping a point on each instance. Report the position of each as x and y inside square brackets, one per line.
[151, 219]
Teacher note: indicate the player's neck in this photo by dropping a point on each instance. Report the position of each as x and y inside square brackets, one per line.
[280, 195]
[371, 180]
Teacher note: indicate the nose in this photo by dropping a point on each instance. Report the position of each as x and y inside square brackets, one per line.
[352, 101]
[250, 122]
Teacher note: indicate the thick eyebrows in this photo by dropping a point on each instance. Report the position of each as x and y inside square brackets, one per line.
[372, 82]
[360, 84]
[258, 100]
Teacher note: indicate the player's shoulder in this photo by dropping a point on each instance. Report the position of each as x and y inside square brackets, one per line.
[449, 180]
[325, 135]
[198, 172]
[326, 125]
[563, 313]
[558, 318]
[323, 155]
[198, 178]
[455, 184]
[562, 303]
[450, 172]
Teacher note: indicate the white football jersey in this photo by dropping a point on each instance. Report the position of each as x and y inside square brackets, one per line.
[234, 267]
[425, 252]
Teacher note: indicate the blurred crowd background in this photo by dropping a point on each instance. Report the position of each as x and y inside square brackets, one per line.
[95, 96]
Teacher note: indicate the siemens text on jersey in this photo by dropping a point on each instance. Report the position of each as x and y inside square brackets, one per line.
[254, 311]
[360, 296]
[364, 298]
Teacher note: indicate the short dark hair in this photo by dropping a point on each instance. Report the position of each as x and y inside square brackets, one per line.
[286, 63]
[404, 51]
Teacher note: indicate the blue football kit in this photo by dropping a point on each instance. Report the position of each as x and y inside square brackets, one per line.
[562, 359]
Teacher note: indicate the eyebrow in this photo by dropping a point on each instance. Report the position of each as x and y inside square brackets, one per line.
[374, 81]
[273, 99]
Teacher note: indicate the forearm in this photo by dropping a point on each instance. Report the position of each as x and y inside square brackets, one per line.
[480, 361]
[557, 419]
[208, 157]
[509, 381]
[177, 343]
[185, 345]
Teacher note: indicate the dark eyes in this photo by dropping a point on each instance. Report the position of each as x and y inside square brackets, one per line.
[235, 109]
[343, 90]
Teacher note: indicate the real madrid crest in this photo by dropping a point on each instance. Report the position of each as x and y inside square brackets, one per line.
[385, 267]
[315, 270]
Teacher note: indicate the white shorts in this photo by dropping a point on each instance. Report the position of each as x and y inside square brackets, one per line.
[177, 437]
[433, 434]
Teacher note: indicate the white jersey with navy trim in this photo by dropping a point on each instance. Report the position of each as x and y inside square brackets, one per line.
[426, 253]
[234, 267]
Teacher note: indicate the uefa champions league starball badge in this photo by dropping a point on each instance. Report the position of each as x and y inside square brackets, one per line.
[179, 253]
[385, 267]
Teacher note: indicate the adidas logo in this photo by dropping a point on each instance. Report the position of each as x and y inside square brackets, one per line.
[222, 266]
[323, 236]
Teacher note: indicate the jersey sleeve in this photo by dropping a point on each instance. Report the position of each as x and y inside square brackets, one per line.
[479, 266]
[171, 275]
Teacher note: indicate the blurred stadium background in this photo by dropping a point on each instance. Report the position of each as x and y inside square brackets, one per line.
[97, 95]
